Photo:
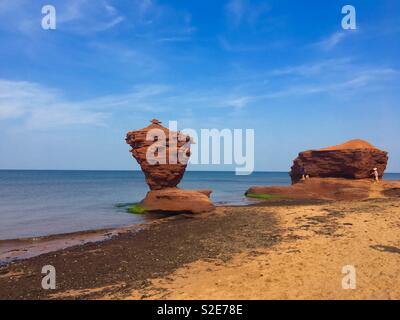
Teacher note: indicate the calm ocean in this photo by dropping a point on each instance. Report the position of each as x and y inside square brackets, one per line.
[37, 203]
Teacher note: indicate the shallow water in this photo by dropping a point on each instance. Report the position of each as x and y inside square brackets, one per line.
[37, 203]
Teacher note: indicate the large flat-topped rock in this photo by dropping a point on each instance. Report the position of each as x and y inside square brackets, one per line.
[328, 189]
[178, 200]
[354, 159]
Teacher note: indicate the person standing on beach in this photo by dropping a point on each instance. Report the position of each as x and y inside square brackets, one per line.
[375, 174]
[303, 173]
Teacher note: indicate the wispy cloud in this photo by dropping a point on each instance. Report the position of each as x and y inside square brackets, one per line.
[174, 39]
[40, 107]
[244, 47]
[345, 86]
[238, 102]
[324, 78]
[159, 22]
[245, 11]
[339, 77]
[87, 17]
[313, 68]
[235, 11]
[37, 106]
[332, 40]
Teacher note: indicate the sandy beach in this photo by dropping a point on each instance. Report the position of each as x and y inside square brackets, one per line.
[277, 249]
[193, 150]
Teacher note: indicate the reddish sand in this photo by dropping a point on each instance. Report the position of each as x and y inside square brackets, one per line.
[352, 144]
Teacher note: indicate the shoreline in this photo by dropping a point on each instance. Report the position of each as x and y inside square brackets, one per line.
[53, 214]
[147, 252]
[17, 249]
[12, 250]
[275, 249]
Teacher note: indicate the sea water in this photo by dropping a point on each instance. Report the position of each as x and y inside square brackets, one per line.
[38, 203]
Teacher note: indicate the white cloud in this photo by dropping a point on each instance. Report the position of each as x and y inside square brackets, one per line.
[332, 41]
[145, 7]
[107, 25]
[314, 68]
[41, 107]
[235, 9]
[86, 17]
[329, 80]
[37, 106]
[339, 77]
[248, 47]
[238, 102]
[174, 39]
[111, 9]
[244, 11]
[64, 115]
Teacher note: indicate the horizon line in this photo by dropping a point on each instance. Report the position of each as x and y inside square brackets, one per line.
[126, 170]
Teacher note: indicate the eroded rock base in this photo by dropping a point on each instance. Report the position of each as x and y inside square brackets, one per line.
[178, 200]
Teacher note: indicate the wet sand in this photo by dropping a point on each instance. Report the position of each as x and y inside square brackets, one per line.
[129, 260]
[24, 248]
[272, 250]
[20, 249]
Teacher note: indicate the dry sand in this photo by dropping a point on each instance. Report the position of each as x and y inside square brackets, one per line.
[307, 264]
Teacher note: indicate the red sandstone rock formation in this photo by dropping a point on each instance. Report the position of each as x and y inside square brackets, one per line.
[162, 156]
[165, 170]
[354, 159]
[317, 188]
[329, 189]
[178, 200]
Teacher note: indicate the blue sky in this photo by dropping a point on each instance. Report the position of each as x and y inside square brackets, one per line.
[285, 68]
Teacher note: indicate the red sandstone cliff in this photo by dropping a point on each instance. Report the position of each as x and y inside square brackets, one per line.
[354, 159]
